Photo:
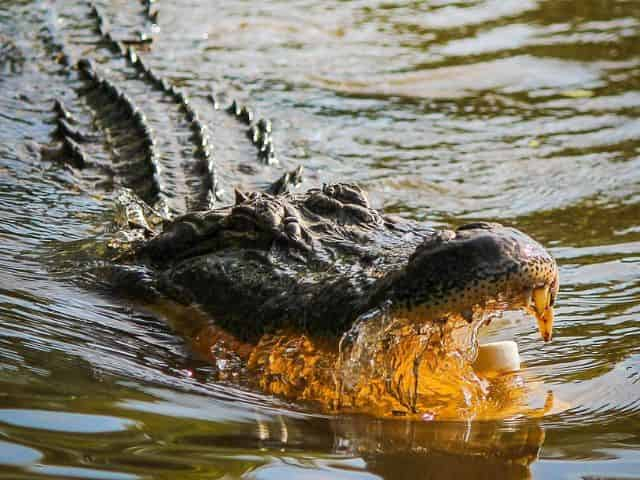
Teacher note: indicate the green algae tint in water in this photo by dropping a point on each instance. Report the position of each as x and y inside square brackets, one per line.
[524, 112]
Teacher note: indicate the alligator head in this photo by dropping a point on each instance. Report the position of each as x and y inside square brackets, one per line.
[318, 260]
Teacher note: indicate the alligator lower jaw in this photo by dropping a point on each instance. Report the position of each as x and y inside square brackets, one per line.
[390, 368]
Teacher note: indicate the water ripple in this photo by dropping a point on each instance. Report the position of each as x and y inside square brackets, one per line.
[524, 112]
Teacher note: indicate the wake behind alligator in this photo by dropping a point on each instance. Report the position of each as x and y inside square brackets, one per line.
[313, 296]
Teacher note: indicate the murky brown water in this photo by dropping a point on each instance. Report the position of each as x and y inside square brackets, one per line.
[526, 112]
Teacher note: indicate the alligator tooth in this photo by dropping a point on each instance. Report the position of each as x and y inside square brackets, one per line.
[540, 298]
[543, 310]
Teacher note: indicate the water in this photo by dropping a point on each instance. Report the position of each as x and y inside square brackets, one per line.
[522, 112]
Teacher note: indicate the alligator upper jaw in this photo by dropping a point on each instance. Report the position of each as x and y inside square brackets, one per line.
[537, 302]
[478, 268]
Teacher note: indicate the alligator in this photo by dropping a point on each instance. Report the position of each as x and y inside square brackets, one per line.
[293, 276]
[293, 282]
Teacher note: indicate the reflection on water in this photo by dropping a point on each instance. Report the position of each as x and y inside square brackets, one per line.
[521, 111]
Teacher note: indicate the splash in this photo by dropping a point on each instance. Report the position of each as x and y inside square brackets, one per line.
[404, 368]
[387, 366]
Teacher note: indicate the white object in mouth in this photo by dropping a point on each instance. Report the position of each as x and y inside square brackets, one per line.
[497, 357]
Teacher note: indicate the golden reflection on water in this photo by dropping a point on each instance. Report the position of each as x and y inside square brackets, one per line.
[424, 375]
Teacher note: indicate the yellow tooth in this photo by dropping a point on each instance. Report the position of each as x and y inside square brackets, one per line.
[541, 298]
[543, 311]
[545, 324]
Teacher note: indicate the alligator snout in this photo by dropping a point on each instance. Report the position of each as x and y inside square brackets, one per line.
[479, 266]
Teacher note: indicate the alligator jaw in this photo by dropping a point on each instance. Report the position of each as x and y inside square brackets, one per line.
[481, 267]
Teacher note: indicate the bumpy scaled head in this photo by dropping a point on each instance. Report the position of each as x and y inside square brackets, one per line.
[480, 265]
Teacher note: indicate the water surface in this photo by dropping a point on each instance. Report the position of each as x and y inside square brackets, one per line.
[523, 112]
